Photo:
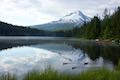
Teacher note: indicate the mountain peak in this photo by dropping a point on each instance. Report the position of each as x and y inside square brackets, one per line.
[75, 13]
[75, 17]
[67, 22]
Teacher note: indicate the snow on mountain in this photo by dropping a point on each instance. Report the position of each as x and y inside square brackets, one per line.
[75, 17]
[65, 23]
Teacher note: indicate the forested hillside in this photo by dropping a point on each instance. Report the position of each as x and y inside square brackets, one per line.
[11, 30]
[107, 28]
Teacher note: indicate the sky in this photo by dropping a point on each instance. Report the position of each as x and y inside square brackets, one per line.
[33, 12]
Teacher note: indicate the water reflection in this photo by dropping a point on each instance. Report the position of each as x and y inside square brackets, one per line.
[94, 51]
[61, 57]
[20, 55]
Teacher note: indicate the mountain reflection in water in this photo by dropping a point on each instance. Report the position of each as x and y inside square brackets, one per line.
[22, 54]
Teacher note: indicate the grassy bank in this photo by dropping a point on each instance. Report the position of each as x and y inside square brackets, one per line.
[100, 74]
[8, 76]
[50, 74]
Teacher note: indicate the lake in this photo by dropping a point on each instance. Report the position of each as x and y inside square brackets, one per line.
[22, 54]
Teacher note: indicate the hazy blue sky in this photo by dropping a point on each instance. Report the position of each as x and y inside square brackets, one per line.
[30, 12]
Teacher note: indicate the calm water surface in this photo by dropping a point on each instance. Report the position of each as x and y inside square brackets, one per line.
[22, 54]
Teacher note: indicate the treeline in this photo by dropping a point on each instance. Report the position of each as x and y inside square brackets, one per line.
[107, 28]
[13, 30]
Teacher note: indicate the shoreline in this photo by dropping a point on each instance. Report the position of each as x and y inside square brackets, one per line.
[107, 41]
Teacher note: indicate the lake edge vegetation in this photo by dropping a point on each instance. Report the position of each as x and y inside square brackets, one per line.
[105, 29]
[51, 74]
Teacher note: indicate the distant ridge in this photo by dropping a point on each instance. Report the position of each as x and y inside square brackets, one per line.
[65, 23]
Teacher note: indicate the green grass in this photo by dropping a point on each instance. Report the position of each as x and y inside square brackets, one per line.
[8, 77]
[50, 74]
[99, 74]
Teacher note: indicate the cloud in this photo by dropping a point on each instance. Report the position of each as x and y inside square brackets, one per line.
[30, 12]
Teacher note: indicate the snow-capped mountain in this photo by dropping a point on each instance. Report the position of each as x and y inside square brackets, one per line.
[75, 17]
[66, 23]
